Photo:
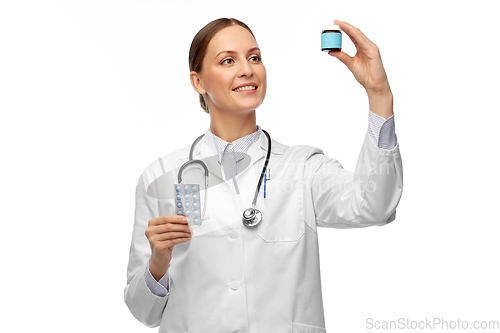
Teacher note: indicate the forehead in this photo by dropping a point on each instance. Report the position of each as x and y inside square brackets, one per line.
[234, 38]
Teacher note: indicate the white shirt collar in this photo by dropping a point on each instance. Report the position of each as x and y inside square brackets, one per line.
[240, 146]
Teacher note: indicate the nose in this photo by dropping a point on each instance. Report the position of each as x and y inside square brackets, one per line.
[246, 70]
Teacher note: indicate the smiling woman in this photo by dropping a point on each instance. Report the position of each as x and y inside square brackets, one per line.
[228, 73]
[201, 43]
[222, 272]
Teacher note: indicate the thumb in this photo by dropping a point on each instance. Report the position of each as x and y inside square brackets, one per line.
[342, 56]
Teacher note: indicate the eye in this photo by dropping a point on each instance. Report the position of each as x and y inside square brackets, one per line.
[226, 61]
[255, 58]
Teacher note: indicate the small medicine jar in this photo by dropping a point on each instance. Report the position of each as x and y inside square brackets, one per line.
[331, 38]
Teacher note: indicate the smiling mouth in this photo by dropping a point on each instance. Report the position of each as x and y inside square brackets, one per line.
[245, 88]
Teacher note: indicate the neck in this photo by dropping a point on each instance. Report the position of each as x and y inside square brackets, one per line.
[231, 127]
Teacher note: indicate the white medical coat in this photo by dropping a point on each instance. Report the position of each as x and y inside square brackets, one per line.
[232, 278]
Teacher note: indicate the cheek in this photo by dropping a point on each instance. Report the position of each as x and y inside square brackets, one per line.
[262, 77]
[261, 73]
[221, 83]
[222, 77]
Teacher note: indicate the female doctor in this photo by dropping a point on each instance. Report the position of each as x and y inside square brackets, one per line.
[223, 275]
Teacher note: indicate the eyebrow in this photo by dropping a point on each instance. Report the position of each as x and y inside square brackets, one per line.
[234, 52]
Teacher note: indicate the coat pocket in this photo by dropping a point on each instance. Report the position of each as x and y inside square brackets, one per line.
[282, 211]
[302, 328]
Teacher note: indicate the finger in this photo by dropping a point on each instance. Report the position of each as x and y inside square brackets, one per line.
[161, 247]
[337, 22]
[178, 241]
[169, 227]
[342, 56]
[180, 219]
[358, 38]
[170, 236]
[163, 232]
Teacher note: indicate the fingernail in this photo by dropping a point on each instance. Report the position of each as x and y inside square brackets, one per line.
[186, 219]
[191, 230]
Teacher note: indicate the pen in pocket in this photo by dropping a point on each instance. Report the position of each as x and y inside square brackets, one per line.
[265, 181]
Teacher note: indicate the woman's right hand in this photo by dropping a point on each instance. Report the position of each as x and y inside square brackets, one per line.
[163, 233]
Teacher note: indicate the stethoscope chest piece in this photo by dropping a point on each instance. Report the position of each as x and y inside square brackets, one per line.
[251, 217]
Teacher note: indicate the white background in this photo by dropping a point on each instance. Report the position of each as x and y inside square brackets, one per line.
[91, 92]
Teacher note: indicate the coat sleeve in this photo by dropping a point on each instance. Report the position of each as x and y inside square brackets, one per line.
[144, 305]
[367, 197]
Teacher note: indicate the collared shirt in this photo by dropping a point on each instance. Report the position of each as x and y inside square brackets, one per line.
[382, 132]
[230, 153]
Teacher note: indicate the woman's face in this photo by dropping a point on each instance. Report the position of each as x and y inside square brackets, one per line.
[233, 60]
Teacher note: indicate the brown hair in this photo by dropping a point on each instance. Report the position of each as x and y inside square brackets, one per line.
[200, 43]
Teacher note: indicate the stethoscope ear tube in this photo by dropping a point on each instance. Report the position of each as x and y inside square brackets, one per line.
[191, 161]
[179, 175]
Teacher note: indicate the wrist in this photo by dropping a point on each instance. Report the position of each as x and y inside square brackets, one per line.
[378, 89]
[157, 269]
[381, 103]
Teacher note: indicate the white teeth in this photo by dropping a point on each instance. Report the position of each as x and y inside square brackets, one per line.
[245, 88]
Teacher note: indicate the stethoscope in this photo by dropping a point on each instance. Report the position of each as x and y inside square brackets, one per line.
[251, 216]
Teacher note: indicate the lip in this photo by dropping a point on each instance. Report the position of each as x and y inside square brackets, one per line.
[246, 85]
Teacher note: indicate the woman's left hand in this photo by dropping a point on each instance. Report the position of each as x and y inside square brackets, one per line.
[366, 65]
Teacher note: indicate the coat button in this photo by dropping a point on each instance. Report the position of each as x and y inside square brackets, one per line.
[233, 234]
[234, 285]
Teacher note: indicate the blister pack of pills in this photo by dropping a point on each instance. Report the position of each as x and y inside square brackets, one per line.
[187, 202]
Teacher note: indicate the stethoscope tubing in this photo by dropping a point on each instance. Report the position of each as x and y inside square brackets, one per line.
[263, 173]
[259, 184]
[191, 161]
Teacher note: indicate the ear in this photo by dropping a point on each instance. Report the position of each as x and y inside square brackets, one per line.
[197, 83]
